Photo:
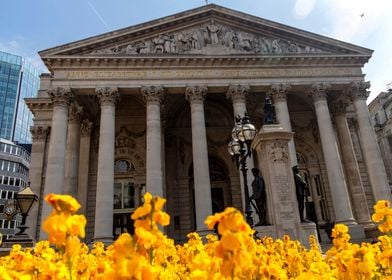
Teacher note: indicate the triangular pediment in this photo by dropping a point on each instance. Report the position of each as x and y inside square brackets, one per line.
[208, 30]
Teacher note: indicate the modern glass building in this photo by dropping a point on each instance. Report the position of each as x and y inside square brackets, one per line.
[18, 80]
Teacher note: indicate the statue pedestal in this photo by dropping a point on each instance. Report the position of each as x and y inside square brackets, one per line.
[273, 160]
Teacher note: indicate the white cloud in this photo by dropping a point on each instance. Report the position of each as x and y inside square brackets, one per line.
[19, 46]
[372, 30]
[303, 8]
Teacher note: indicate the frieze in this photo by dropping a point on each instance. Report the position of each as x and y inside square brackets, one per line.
[210, 38]
[206, 73]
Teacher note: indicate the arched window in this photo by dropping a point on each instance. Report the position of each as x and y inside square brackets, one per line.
[123, 166]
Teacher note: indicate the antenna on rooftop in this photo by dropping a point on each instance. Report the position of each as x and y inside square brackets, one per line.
[206, 2]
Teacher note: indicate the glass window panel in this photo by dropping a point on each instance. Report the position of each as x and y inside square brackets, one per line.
[117, 196]
[129, 192]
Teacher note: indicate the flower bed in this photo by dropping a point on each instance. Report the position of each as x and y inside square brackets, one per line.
[150, 254]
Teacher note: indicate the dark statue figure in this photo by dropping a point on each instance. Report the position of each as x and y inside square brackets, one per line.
[269, 112]
[259, 196]
[300, 190]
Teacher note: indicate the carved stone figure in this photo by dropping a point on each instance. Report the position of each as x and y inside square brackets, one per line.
[213, 31]
[197, 38]
[300, 190]
[259, 196]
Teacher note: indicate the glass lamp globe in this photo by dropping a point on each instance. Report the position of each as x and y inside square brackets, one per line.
[234, 148]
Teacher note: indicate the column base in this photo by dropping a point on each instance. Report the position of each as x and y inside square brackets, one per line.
[306, 230]
[106, 240]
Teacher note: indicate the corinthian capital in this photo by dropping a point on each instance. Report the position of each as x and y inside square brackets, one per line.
[60, 96]
[39, 132]
[319, 91]
[107, 95]
[359, 90]
[75, 110]
[86, 127]
[338, 107]
[196, 94]
[237, 93]
[152, 94]
[279, 91]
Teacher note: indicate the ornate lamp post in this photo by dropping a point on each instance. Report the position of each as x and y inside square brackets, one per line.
[239, 148]
[25, 200]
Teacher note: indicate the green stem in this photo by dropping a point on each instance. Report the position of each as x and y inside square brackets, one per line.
[70, 267]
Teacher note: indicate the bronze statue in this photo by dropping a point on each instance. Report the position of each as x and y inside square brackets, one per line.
[300, 190]
[259, 196]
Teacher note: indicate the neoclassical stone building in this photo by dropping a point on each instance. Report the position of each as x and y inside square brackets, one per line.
[151, 107]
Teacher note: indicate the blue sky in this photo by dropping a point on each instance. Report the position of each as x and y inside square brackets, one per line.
[28, 26]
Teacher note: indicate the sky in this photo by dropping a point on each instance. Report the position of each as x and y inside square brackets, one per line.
[28, 26]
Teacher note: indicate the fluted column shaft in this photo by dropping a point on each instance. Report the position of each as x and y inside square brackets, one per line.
[103, 230]
[84, 164]
[279, 95]
[202, 185]
[54, 180]
[154, 168]
[351, 165]
[237, 94]
[72, 150]
[40, 137]
[373, 161]
[340, 198]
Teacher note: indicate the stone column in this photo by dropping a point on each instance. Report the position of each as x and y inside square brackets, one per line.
[203, 204]
[103, 228]
[237, 94]
[40, 136]
[54, 180]
[279, 95]
[374, 165]
[337, 184]
[84, 164]
[350, 163]
[153, 96]
[72, 150]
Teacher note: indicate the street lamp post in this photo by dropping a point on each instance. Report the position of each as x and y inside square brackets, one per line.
[240, 149]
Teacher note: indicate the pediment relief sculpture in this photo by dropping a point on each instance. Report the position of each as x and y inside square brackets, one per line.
[210, 38]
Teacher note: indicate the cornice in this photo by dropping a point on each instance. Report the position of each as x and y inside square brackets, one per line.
[163, 60]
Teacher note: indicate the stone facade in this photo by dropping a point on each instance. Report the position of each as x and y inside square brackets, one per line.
[151, 108]
[381, 115]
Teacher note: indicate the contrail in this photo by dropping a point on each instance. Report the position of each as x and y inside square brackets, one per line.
[98, 15]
